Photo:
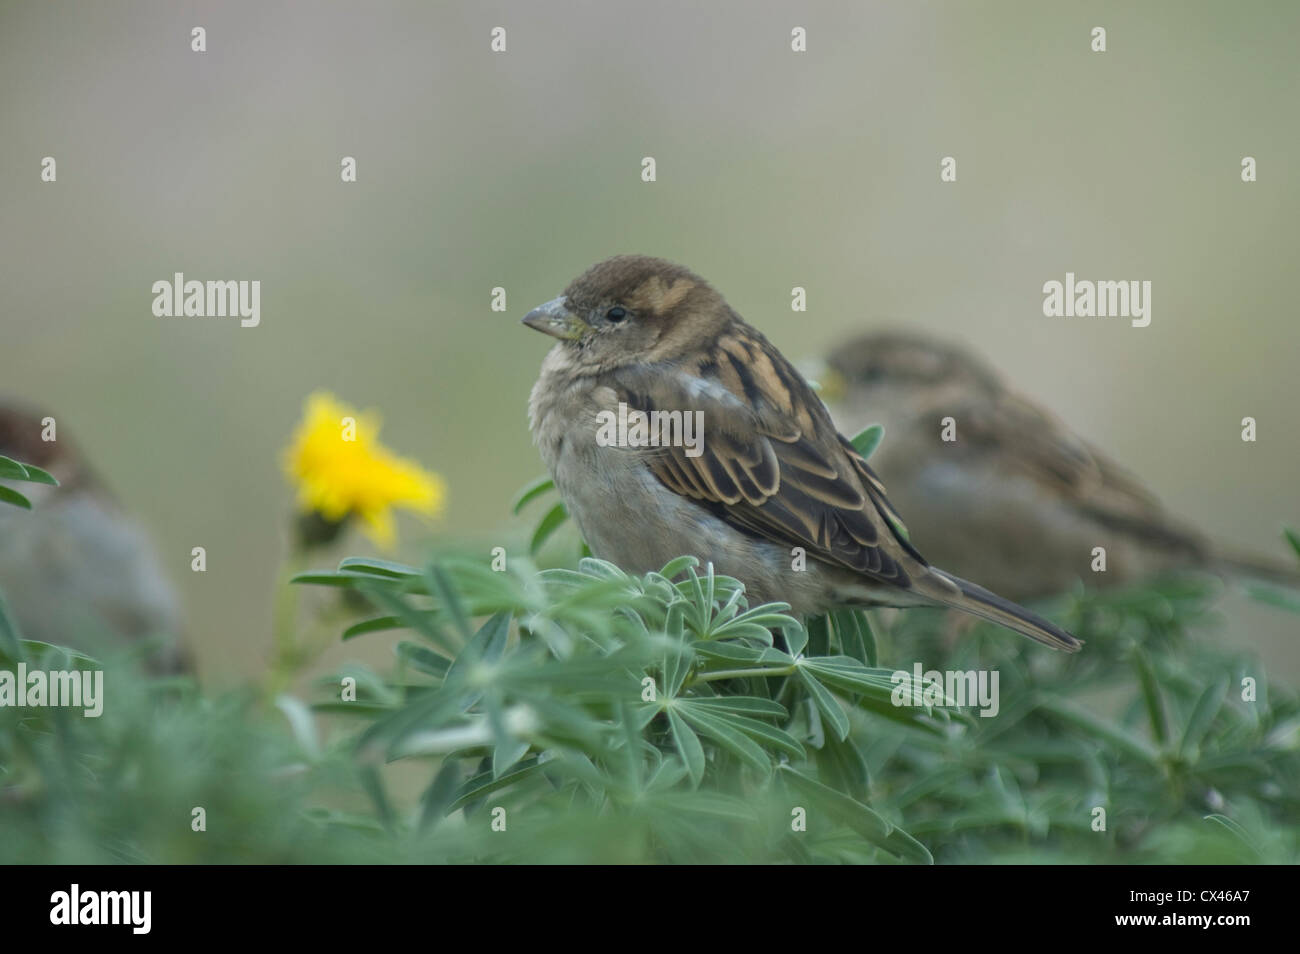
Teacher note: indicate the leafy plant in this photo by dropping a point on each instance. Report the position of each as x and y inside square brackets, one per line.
[594, 688]
[580, 714]
[12, 470]
[593, 698]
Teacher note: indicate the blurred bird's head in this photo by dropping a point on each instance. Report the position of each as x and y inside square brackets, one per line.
[29, 436]
[632, 309]
[77, 570]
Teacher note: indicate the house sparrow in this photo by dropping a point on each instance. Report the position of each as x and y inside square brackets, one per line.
[77, 570]
[1017, 501]
[771, 479]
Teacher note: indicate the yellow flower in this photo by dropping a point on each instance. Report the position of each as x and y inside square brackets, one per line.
[341, 470]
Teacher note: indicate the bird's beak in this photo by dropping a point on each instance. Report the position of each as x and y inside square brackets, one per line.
[834, 387]
[828, 383]
[555, 319]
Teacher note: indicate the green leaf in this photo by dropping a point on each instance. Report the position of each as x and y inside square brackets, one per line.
[746, 705]
[424, 710]
[370, 565]
[928, 719]
[507, 753]
[826, 703]
[444, 590]
[1237, 830]
[1292, 538]
[818, 629]
[423, 658]
[848, 675]
[10, 496]
[554, 519]
[370, 710]
[534, 489]
[795, 636]
[688, 746]
[301, 722]
[1207, 707]
[734, 652]
[487, 645]
[1151, 696]
[863, 820]
[729, 737]
[842, 766]
[867, 440]
[326, 578]
[10, 638]
[38, 476]
[373, 783]
[712, 806]
[356, 578]
[756, 622]
[1100, 729]
[10, 469]
[1280, 599]
[437, 798]
[677, 654]
[52, 655]
[378, 624]
[678, 566]
[421, 621]
[759, 731]
[856, 638]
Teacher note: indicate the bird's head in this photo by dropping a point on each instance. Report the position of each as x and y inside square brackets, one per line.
[898, 362]
[20, 435]
[632, 309]
[27, 435]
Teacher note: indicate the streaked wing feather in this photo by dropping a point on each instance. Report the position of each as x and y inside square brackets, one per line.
[1040, 446]
[773, 466]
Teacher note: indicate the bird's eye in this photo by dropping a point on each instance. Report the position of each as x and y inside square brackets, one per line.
[617, 313]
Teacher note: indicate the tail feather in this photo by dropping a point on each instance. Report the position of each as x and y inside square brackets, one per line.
[978, 601]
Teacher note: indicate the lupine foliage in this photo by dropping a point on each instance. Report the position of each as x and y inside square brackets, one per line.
[593, 701]
[568, 715]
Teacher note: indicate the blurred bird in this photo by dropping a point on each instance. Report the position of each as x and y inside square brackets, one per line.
[77, 570]
[1017, 501]
[771, 478]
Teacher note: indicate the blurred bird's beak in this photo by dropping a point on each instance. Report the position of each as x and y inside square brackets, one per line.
[555, 319]
[828, 383]
[834, 387]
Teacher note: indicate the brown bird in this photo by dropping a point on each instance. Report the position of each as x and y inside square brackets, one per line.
[77, 570]
[770, 483]
[1018, 501]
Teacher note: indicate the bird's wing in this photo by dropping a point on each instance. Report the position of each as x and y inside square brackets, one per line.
[772, 464]
[770, 461]
[1030, 439]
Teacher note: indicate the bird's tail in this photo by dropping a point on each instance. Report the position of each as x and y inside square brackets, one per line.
[964, 595]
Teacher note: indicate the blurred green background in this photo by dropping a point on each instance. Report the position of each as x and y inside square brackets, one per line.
[520, 169]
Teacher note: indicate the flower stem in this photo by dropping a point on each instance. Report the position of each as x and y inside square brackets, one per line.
[288, 655]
